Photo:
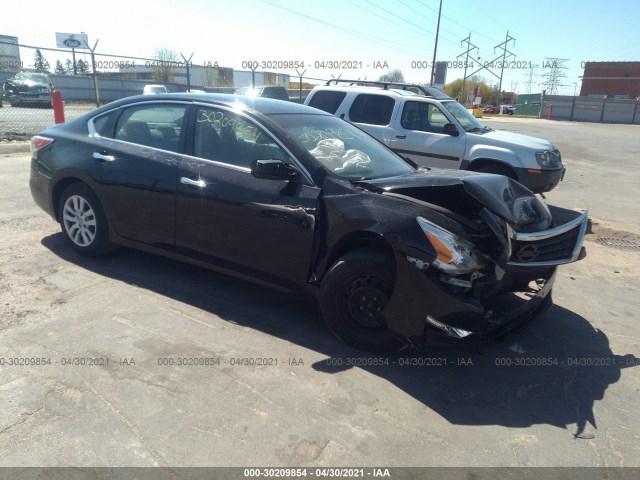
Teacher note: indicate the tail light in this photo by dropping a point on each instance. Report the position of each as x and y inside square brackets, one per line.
[38, 143]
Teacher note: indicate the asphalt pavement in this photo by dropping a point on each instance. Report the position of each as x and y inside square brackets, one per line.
[136, 360]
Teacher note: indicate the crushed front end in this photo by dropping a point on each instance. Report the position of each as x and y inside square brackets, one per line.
[489, 275]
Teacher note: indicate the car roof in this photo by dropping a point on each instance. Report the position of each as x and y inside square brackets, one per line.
[265, 106]
[392, 92]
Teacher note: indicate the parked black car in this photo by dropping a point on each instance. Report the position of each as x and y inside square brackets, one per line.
[296, 198]
[29, 88]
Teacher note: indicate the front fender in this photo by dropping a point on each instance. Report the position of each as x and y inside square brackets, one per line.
[499, 154]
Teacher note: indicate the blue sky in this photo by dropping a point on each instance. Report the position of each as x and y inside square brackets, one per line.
[365, 33]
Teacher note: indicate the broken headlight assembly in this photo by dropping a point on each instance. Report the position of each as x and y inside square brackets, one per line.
[455, 255]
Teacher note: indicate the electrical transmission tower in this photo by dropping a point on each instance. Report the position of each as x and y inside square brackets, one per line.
[553, 79]
[500, 59]
[505, 54]
[530, 76]
[470, 48]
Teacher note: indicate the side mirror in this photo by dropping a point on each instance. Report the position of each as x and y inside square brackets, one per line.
[450, 129]
[274, 170]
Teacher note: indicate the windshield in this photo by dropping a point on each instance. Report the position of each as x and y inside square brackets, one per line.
[34, 77]
[341, 148]
[468, 121]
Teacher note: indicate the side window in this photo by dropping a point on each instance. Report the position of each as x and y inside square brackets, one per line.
[154, 125]
[424, 117]
[372, 109]
[103, 124]
[327, 100]
[231, 138]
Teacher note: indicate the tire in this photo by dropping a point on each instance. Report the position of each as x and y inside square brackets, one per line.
[82, 220]
[497, 170]
[353, 295]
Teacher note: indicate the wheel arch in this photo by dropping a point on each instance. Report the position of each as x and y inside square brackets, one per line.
[480, 163]
[57, 190]
[353, 241]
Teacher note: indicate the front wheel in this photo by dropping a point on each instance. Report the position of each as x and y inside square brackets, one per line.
[83, 221]
[354, 294]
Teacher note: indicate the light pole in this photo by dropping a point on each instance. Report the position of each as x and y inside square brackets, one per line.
[435, 48]
[575, 84]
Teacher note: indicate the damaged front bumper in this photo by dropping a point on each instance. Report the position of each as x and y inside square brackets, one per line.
[430, 307]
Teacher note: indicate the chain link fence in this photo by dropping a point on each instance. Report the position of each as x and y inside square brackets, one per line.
[87, 81]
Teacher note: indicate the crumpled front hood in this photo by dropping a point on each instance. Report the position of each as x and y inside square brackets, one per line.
[501, 195]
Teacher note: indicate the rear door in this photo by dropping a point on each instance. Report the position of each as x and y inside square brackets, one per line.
[373, 113]
[138, 162]
[224, 215]
[419, 135]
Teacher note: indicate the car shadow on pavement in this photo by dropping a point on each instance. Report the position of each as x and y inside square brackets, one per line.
[550, 373]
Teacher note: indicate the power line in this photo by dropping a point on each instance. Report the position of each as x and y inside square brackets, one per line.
[386, 19]
[383, 41]
[467, 28]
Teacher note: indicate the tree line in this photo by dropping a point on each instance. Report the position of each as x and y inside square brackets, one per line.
[41, 64]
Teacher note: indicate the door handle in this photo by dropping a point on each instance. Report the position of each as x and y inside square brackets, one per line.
[401, 136]
[194, 183]
[103, 158]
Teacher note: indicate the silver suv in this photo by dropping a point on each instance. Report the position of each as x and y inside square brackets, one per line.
[431, 129]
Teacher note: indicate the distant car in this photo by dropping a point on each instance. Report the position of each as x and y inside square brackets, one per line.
[195, 90]
[270, 91]
[29, 88]
[294, 197]
[154, 89]
[504, 109]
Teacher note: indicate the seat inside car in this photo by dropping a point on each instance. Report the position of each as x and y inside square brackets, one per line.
[137, 132]
[207, 142]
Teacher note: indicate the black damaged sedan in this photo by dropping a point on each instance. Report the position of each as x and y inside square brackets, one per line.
[295, 198]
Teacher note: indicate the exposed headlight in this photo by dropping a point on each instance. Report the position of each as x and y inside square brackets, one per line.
[455, 255]
[529, 210]
[548, 159]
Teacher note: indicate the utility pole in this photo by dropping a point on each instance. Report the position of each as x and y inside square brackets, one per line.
[187, 62]
[300, 74]
[435, 48]
[95, 71]
[470, 48]
[505, 54]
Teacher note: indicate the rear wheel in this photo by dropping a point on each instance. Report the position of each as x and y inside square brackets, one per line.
[83, 221]
[354, 295]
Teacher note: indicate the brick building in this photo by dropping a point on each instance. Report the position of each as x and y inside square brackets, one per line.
[613, 79]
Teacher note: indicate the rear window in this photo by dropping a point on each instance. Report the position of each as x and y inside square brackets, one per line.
[327, 100]
[279, 93]
[372, 109]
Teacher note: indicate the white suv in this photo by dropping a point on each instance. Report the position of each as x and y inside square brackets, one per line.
[432, 129]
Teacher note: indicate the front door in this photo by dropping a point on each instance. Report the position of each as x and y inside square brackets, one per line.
[420, 136]
[263, 228]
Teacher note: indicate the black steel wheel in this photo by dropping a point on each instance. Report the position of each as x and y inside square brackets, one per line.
[354, 295]
[83, 221]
